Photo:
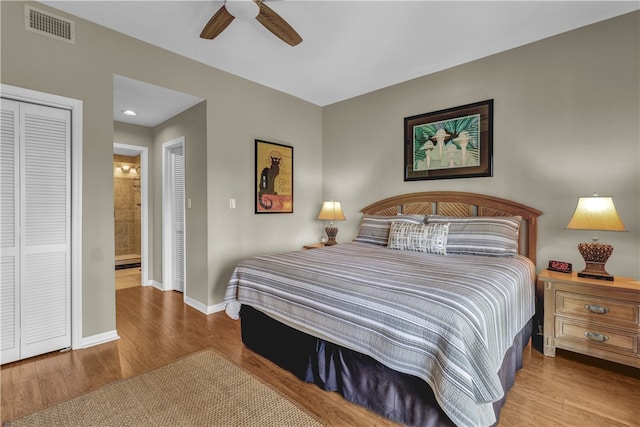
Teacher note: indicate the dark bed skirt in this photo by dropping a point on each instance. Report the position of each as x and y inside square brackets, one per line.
[359, 378]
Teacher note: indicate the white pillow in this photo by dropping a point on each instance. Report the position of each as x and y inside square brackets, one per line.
[430, 238]
[374, 229]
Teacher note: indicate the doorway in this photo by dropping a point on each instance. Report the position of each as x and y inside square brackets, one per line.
[173, 215]
[131, 215]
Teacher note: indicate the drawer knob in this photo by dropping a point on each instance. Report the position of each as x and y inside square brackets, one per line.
[595, 308]
[594, 336]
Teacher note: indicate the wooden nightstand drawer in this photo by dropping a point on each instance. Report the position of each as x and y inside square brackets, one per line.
[593, 335]
[622, 313]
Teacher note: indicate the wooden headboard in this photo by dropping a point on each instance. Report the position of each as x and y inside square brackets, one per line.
[456, 203]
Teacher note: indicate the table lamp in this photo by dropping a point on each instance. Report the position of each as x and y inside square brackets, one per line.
[598, 214]
[331, 211]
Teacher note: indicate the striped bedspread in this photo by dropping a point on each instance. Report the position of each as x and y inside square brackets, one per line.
[446, 319]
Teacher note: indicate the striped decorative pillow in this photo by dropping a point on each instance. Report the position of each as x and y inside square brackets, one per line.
[430, 238]
[375, 229]
[491, 236]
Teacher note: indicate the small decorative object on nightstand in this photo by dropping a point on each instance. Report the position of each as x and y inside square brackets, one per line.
[315, 246]
[598, 214]
[331, 211]
[593, 317]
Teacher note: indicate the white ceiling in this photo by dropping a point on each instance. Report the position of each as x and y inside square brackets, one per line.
[153, 104]
[349, 47]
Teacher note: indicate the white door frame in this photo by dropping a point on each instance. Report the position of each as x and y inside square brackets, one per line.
[75, 106]
[167, 218]
[134, 150]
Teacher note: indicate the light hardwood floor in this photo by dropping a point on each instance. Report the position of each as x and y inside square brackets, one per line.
[156, 328]
[128, 278]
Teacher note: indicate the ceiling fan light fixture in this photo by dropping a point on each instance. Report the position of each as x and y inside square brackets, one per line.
[250, 9]
[243, 9]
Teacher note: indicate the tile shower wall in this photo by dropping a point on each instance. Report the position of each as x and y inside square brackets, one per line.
[126, 196]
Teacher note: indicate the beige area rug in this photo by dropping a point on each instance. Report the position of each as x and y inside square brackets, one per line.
[203, 389]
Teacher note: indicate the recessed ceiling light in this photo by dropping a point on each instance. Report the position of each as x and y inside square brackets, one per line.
[129, 112]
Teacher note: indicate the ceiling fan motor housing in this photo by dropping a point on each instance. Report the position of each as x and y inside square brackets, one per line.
[243, 9]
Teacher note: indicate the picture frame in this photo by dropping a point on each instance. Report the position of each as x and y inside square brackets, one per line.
[273, 177]
[452, 143]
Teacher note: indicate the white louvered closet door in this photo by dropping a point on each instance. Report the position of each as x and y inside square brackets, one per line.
[10, 239]
[42, 226]
[177, 158]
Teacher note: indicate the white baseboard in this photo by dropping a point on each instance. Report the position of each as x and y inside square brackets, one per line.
[206, 309]
[156, 285]
[216, 308]
[203, 308]
[100, 338]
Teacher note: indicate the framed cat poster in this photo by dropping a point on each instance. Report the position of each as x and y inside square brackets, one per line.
[274, 177]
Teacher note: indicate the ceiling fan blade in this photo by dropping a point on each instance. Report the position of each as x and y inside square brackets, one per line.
[217, 24]
[278, 26]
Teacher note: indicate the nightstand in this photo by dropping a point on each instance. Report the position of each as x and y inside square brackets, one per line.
[314, 246]
[594, 317]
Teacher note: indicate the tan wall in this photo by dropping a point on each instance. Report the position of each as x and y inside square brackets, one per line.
[566, 124]
[191, 125]
[237, 112]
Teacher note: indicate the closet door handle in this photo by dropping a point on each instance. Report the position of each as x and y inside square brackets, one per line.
[594, 336]
[595, 308]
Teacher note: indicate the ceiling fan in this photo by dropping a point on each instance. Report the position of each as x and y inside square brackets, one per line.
[249, 9]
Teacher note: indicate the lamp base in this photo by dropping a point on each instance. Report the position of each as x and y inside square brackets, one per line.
[332, 232]
[595, 257]
[591, 275]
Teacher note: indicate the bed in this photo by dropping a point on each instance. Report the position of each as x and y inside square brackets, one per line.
[422, 318]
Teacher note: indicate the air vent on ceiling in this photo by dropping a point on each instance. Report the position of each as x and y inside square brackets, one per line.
[48, 24]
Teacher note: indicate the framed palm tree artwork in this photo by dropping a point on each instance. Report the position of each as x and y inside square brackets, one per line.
[452, 143]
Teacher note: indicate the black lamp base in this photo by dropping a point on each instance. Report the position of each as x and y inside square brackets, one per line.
[596, 276]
